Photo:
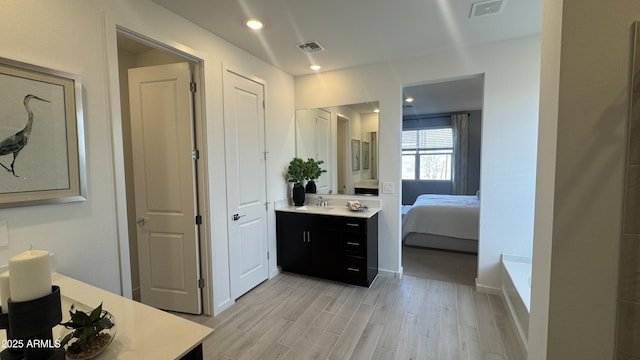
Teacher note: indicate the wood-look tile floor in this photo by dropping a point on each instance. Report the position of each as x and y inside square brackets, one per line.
[294, 317]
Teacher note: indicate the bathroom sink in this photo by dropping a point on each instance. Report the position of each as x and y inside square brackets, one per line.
[314, 208]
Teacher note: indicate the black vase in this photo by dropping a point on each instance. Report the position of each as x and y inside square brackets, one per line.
[298, 194]
[310, 188]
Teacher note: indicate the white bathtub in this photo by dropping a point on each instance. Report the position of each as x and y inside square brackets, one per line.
[516, 289]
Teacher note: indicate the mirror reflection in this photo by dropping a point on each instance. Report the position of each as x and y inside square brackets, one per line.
[346, 138]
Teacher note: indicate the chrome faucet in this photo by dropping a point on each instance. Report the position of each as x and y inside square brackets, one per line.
[322, 202]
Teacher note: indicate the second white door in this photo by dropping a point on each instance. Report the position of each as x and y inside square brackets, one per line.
[246, 182]
[164, 177]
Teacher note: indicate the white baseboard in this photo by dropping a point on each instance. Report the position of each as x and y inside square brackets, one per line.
[135, 294]
[389, 273]
[488, 289]
[274, 272]
[522, 338]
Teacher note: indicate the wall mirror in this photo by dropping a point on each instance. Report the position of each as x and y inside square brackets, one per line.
[330, 134]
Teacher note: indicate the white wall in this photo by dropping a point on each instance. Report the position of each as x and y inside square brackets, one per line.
[83, 235]
[584, 109]
[509, 140]
[78, 37]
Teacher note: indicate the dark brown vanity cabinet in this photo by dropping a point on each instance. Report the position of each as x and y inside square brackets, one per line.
[331, 247]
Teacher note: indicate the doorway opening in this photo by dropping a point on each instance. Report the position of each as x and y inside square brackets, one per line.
[441, 142]
[137, 52]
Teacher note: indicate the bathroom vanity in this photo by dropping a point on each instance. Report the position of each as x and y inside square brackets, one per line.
[329, 242]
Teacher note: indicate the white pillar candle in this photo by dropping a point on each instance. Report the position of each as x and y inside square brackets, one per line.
[30, 275]
[5, 293]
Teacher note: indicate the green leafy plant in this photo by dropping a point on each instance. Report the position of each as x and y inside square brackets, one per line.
[313, 169]
[296, 171]
[87, 328]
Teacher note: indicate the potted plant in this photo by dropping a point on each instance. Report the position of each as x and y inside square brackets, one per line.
[312, 172]
[296, 174]
[88, 333]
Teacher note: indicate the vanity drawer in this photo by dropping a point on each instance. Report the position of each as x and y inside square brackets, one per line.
[351, 224]
[354, 270]
[354, 244]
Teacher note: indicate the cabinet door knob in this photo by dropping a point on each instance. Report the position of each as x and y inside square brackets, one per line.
[353, 269]
[352, 224]
[353, 243]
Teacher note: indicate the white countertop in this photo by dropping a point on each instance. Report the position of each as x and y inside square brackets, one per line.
[142, 332]
[336, 210]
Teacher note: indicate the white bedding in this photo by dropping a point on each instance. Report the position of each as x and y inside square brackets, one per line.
[446, 215]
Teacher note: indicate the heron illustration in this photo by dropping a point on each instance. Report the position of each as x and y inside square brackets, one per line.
[16, 142]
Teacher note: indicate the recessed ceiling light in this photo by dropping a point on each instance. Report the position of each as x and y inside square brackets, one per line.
[376, 110]
[409, 99]
[315, 67]
[254, 24]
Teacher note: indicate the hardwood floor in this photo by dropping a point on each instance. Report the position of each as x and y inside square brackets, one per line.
[294, 317]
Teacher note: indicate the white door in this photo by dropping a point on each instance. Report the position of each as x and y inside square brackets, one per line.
[313, 140]
[165, 196]
[246, 182]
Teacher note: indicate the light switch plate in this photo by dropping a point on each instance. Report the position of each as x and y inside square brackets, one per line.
[387, 188]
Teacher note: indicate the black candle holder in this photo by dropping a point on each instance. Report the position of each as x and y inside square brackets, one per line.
[29, 328]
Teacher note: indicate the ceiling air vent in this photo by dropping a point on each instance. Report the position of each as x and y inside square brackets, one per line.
[484, 8]
[310, 47]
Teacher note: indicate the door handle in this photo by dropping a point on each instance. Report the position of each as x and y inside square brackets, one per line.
[237, 217]
[140, 220]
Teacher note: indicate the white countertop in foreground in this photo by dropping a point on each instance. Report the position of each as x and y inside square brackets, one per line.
[142, 332]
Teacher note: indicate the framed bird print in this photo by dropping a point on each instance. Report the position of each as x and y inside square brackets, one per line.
[41, 136]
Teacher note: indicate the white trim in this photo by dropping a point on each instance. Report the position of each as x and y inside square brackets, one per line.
[389, 273]
[522, 338]
[114, 26]
[113, 99]
[487, 289]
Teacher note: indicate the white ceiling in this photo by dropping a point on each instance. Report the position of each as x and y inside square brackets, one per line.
[357, 32]
[444, 97]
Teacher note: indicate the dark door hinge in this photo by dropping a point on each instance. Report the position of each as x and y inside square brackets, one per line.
[195, 154]
[198, 219]
[192, 87]
[201, 283]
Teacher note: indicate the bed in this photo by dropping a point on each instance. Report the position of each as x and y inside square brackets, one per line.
[443, 222]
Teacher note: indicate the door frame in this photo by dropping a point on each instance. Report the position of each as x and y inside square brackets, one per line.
[202, 186]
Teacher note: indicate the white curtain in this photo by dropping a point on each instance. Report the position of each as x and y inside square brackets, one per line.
[460, 127]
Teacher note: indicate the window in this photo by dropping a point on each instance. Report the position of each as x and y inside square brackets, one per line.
[426, 154]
